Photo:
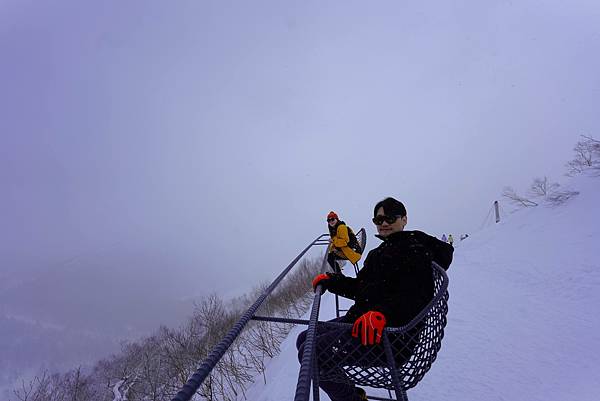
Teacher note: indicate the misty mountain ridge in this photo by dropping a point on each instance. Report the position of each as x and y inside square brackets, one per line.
[83, 309]
[75, 296]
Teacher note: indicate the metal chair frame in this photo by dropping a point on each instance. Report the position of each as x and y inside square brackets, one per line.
[402, 360]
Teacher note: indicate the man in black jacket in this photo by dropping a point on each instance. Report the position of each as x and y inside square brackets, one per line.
[394, 285]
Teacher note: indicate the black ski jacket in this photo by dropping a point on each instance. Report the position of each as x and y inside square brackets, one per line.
[396, 278]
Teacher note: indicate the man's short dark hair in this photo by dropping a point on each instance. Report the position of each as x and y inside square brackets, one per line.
[391, 207]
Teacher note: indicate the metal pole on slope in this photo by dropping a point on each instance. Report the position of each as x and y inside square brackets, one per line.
[497, 211]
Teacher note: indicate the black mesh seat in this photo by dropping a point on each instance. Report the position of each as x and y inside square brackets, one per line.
[414, 347]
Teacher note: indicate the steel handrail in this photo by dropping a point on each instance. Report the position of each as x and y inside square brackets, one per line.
[195, 381]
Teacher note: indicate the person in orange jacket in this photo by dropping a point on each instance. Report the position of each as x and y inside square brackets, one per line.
[343, 243]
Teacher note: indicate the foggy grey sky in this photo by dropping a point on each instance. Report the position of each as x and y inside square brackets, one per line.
[219, 134]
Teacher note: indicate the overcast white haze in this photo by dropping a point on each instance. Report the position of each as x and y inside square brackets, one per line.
[155, 151]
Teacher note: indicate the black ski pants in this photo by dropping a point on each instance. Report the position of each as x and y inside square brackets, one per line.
[325, 337]
[331, 259]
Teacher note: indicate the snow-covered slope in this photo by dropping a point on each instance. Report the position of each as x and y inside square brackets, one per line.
[523, 321]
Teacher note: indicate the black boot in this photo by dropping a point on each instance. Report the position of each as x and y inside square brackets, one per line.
[362, 394]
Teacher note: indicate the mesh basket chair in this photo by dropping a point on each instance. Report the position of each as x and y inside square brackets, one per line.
[400, 361]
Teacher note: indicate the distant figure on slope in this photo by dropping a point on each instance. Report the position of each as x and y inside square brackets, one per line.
[450, 239]
[444, 238]
[394, 285]
[343, 243]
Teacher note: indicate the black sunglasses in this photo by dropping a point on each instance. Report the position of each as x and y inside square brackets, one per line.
[332, 219]
[378, 220]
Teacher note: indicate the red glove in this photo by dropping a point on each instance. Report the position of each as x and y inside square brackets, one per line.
[319, 280]
[370, 327]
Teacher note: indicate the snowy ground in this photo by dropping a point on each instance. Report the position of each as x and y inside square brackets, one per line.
[523, 321]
